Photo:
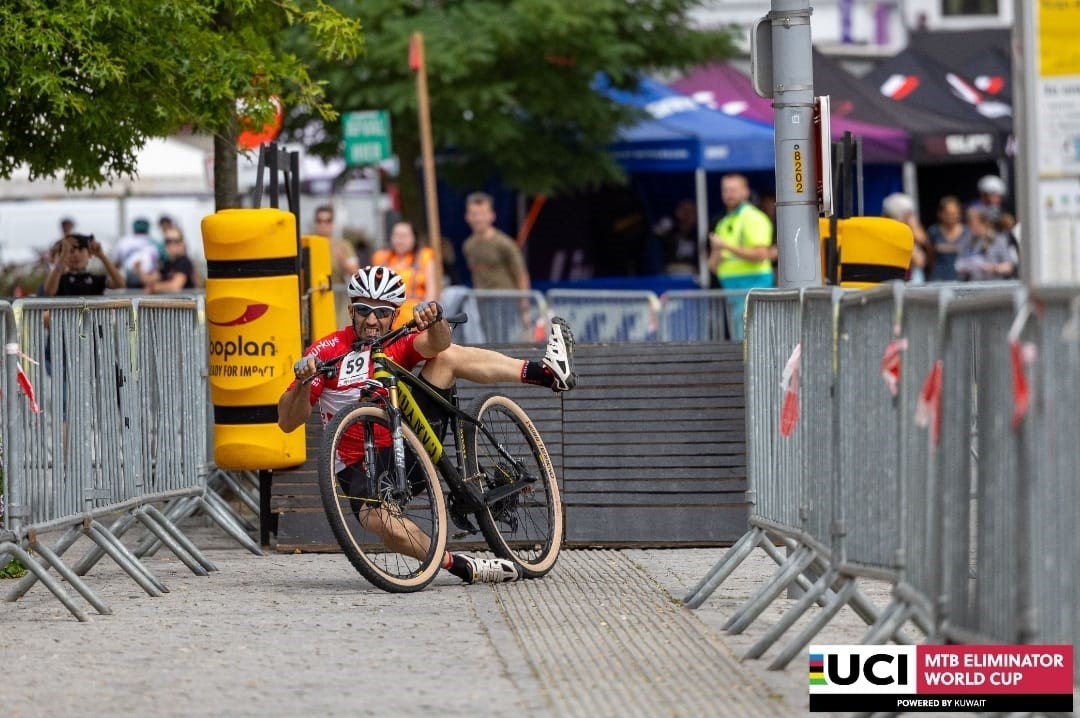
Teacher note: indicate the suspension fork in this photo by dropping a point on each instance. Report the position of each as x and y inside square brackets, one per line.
[397, 439]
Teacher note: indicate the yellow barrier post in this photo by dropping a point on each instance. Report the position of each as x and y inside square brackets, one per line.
[322, 315]
[253, 319]
[872, 250]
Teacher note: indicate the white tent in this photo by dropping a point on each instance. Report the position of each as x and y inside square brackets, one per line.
[164, 167]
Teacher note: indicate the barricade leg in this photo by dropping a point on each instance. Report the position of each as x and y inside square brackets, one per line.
[77, 583]
[96, 553]
[248, 497]
[801, 579]
[43, 576]
[813, 595]
[166, 537]
[723, 568]
[26, 582]
[784, 576]
[208, 502]
[124, 559]
[886, 628]
[181, 538]
[224, 507]
[797, 646]
[175, 512]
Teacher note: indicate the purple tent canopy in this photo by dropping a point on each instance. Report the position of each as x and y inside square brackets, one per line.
[725, 88]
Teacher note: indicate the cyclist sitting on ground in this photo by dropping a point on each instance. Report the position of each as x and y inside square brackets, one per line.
[375, 295]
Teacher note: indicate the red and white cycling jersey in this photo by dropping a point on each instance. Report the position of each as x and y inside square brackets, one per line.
[330, 396]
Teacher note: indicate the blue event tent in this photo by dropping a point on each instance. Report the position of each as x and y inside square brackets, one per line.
[680, 135]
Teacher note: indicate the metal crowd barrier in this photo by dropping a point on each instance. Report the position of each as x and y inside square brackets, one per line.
[498, 316]
[773, 466]
[958, 489]
[607, 316]
[1048, 456]
[123, 394]
[698, 315]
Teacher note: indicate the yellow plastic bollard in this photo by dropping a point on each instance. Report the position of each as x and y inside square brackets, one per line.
[872, 250]
[253, 316]
[321, 311]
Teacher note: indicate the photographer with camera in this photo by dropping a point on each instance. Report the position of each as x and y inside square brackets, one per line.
[69, 276]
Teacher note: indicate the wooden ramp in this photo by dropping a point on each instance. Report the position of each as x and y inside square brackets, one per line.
[650, 449]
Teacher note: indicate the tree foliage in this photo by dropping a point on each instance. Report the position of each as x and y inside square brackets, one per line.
[84, 83]
[510, 80]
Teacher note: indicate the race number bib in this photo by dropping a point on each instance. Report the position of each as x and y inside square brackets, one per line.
[354, 368]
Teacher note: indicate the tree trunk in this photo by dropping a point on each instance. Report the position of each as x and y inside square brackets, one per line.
[226, 194]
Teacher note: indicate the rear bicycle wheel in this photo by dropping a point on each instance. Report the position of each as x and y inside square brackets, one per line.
[394, 538]
[525, 526]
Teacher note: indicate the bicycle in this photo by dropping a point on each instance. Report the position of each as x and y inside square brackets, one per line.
[380, 464]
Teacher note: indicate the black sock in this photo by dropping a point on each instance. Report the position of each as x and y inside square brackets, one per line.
[459, 568]
[535, 372]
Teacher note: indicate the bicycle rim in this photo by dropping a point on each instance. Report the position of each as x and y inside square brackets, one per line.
[367, 503]
[527, 526]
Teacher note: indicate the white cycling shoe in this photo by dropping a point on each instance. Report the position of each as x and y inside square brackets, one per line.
[559, 357]
[490, 570]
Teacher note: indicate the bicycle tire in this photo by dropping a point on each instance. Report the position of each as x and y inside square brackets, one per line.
[385, 568]
[526, 527]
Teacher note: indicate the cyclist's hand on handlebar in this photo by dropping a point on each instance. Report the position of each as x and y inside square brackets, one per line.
[305, 369]
[425, 314]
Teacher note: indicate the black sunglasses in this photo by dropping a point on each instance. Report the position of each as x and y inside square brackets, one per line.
[365, 309]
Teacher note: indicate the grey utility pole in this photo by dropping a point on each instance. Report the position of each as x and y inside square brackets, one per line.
[782, 68]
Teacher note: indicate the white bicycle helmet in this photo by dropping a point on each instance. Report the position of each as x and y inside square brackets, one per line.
[381, 283]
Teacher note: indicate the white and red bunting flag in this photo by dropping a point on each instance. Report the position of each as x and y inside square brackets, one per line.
[789, 382]
[1020, 355]
[22, 378]
[928, 405]
[890, 364]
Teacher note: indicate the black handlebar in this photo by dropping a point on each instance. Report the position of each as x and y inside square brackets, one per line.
[328, 367]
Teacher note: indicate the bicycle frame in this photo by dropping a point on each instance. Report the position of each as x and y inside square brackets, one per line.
[399, 403]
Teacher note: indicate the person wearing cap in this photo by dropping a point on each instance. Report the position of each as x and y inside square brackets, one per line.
[991, 199]
[137, 253]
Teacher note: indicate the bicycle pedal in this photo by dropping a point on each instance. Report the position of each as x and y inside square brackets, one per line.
[460, 535]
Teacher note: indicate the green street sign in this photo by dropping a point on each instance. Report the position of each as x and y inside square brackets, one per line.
[367, 137]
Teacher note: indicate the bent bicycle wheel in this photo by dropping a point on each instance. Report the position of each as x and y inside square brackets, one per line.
[394, 535]
[526, 525]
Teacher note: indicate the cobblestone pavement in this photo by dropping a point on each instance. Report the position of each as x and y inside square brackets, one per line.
[280, 635]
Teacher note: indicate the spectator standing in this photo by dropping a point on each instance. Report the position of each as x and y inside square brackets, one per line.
[137, 254]
[947, 237]
[413, 263]
[343, 259]
[495, 261]
[70, 275]
[679, 241]
[991, 198]
[987, 256]
[740, 248]
[176, 272]
[901, 207]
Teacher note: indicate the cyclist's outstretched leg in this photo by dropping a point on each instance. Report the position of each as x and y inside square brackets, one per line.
[485, 366]
[508, 455]
[394, 536]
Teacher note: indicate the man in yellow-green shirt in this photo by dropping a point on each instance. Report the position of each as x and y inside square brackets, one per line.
[741, 247]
